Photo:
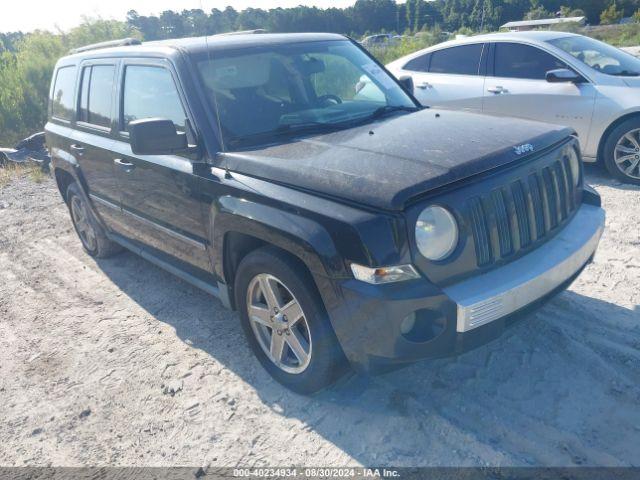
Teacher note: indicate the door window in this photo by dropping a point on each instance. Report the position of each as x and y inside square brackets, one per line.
[514, 60]
[96, 94]
[63, 93]
[462, 60]
[418, 64]
[150, 92]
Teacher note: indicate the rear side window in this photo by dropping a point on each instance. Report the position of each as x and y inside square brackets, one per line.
[418, 64]
[514, 60]
[62, 104]
[462, 60]
[150, 92]
[96, 94]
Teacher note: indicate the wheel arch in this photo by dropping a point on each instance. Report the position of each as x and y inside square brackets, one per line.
[63, 180]
[612, 126]
[236, 232]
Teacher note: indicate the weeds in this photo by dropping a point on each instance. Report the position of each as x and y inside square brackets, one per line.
[11, 171]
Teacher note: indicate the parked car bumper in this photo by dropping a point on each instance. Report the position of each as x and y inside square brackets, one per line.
[373, 322]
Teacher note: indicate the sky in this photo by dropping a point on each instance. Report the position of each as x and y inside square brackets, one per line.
[29, 15]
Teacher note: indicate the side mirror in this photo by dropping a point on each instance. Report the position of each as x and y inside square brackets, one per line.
[156, 136]
[563, 75]
[406, 82]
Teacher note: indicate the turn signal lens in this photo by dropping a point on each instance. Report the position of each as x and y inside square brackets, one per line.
[379, 275]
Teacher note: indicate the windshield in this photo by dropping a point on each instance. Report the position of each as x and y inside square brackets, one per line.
[599, 56]
[281, 90]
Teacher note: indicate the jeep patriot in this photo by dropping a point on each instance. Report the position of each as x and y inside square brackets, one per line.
[350, 227]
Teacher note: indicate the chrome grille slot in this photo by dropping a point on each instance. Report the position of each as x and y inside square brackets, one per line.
[571, 191]
[480, 232]
[502, 222]
[561, 181]
[537, 204]
[522, 213]
[550, 190]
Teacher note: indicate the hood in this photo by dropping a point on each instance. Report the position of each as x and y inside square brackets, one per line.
[631, 81]
[387, 163]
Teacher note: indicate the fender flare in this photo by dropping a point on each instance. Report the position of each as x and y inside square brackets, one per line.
[301, 236]
[73, 169]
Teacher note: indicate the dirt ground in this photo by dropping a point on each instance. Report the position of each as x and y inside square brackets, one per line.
[116, 362]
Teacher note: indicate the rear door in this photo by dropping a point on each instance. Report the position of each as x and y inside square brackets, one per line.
[516, 86]
[61, 112]
[93, 136]
[451, 77]
[159, 193]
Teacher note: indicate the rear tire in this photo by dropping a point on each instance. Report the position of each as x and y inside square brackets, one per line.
[301, 352]
[93, 237]
[622, 152]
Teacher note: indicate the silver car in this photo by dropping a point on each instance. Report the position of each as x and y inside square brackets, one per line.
[553, 77]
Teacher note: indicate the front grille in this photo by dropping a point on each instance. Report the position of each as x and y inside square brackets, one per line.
[516, 215]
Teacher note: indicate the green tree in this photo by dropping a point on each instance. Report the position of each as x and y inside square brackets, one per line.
[538, 13]
[25, 74]
[611, 15]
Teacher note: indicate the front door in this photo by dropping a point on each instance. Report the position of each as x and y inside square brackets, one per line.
[517, 87]
[158, 192]
[452, 77]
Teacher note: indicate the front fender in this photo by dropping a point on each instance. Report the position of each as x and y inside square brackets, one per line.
[302, 237]
[612, 105]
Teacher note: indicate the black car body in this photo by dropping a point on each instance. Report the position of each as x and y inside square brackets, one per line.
[335, 201]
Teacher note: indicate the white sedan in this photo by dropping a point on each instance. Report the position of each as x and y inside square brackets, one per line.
[553, 77]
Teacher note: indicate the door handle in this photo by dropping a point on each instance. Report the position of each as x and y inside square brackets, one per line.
[79, 149]
[126, 166]
[424, 85]
[497, 90]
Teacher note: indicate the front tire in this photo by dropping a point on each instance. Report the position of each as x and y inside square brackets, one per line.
[622, 152]
[285, 322]
[93, 237]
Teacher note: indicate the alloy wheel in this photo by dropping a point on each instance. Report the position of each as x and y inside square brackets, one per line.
[85, 229]
[279, 324]
[627, 154]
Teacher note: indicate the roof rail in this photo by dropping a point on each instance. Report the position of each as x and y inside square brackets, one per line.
[112, 43]
[245, 32]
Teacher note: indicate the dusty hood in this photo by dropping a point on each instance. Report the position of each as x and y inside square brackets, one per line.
[386, 163]
[631, 81]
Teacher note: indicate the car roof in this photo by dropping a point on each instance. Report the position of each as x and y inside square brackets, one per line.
[538, 35]
[533, 36]
[194, 45]
[527, 37]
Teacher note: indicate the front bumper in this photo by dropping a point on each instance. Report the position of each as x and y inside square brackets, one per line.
[464, 315]
[506, 290]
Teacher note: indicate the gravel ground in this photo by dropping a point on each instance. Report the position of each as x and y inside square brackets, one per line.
[115, 362]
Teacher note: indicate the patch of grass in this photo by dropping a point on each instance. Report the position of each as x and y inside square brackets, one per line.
[11, 171]
[36, 174]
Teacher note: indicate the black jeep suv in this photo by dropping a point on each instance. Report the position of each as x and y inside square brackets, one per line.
[293, 177]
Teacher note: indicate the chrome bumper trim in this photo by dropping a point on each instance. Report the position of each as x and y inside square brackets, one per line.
[505, 290]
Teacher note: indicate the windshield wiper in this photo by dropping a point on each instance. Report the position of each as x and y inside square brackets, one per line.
[286, 129]
[386, 109]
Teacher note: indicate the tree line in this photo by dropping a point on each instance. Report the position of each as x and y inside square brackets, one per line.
[375, 16]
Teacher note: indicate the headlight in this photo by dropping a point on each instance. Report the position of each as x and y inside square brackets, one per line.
[436, 233]
[574, 165]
